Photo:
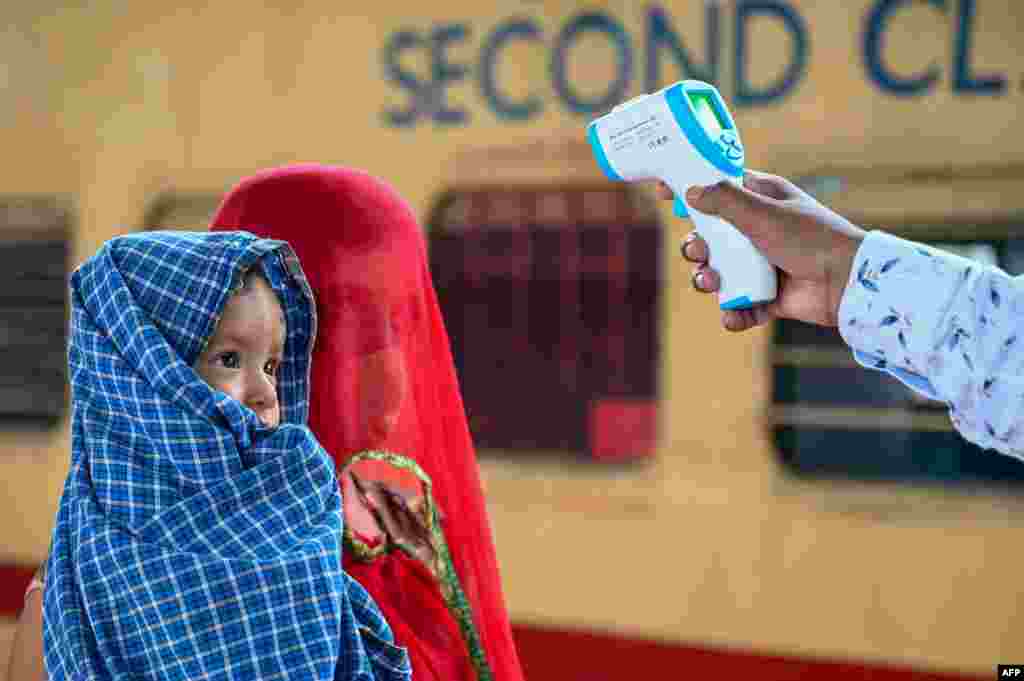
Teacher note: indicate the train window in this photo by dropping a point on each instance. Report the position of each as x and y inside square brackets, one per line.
[874, 427]
[35, 235]
[551, 300]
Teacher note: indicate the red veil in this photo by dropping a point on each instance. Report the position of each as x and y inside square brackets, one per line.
[383, 379]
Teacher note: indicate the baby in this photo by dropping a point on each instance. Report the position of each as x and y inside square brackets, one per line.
[199, 530]
[241, 360]
[242, 357]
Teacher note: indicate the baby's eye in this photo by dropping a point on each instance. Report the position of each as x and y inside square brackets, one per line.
[229, 360]
[271, 367]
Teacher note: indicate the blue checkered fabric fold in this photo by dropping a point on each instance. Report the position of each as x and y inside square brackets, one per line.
[191, 541]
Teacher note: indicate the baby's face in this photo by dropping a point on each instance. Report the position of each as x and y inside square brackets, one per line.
[243, 356]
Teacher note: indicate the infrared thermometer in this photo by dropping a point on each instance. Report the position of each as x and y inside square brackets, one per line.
[684, 135]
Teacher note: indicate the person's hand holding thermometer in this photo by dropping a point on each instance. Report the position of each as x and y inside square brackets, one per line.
[683, 135]
[811, 246]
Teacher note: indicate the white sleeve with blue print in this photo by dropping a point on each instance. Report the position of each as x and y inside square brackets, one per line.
[948, 327]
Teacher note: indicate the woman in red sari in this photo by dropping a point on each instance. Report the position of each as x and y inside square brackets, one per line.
[386, 404]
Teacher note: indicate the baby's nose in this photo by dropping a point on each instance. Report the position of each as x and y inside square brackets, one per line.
[262, 394]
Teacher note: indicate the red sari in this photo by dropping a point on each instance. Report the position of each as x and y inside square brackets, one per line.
[386, 403]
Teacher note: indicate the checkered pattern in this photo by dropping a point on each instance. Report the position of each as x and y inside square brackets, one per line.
[551, 301]
[192, 542]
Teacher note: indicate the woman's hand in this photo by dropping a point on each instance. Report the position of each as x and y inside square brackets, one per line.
[26, 660]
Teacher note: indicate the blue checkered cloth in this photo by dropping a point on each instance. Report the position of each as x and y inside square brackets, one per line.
[192, 542]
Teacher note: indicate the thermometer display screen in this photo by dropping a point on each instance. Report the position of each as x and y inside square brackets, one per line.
[707, 113]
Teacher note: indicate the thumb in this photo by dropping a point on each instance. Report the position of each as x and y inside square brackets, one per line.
[735, 204]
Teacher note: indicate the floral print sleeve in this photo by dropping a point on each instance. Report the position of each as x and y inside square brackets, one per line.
[945, 326]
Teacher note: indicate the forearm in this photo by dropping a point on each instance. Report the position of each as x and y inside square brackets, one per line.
[945, 326]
